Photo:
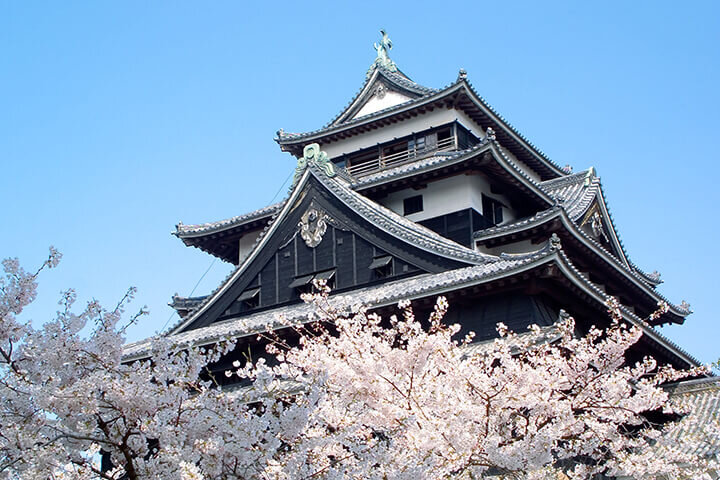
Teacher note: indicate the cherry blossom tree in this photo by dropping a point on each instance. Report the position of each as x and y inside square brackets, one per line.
[359, 397]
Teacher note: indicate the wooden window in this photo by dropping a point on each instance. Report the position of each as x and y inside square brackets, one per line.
[382, 266]
[492, 210]
[413, 205]
[304, 283]
[250, 297]
[328, 276]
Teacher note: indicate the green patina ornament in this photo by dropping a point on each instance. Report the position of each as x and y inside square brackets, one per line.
[383, 53]
[313, 154]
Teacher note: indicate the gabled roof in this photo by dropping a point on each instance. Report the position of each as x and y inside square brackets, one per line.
[192, 231]
[459, 94]
[558, 213]
[697, 434]
[576, 193]
[422, 286]
[489, 149]
[488, 152]
[414, 235]
[377, 75]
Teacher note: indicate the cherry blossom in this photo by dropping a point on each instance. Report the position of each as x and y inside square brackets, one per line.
[360, 396]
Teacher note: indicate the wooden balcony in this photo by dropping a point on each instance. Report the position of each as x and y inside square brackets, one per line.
[383, 162]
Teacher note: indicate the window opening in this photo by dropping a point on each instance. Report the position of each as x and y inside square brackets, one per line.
[304, 283]
[382, 266]
[413, 205]
[328, 276]
[492, 210]
[250, 298]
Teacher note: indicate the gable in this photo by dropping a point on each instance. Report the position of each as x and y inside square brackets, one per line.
[318, 237]
[597, 224]
[382, 89]
[382, 98]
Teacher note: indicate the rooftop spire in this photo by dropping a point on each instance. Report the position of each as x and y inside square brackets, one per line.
[383, 49]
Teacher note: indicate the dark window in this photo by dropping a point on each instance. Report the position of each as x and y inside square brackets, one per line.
[444, 138]
[250, 297]
[367, 159]
[492, 210]
[444, 134]
[304, 283]
[395, 151]
[328, 276]
[413, 205]
[382, 266]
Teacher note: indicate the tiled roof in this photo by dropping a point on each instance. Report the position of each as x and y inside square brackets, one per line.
[574, 192]
[412, 288]
[522, 224]
[378, 295]
[403, 228]
[647, 329]
[448, 158]
[395, 78]
[185, 303]
[698, 433]
[184, 231]
[427, 95]
[379, 216]
[411, 168]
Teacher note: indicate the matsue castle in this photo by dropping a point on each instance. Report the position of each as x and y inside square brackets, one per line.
[411, 192]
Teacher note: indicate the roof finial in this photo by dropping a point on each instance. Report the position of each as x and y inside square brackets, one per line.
[462, 74]
[555, 242]
[490, 134]
[313, 154]
[383, 49]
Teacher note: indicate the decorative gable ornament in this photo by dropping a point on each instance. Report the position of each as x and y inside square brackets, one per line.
[596, 224]
[313, 225]
[313, 154]
[383, 58]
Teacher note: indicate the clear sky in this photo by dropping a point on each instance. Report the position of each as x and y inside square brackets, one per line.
[119, 119]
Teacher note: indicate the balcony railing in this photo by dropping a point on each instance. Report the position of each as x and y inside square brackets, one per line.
[387, 161]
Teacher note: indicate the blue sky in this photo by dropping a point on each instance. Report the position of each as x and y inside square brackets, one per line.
[119, 119]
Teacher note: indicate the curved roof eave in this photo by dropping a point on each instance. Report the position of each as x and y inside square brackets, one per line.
[383, 218]
[200, 230]
[558, 212]
[413, 288]
[400, 82]
[432, 163]
[461, 85]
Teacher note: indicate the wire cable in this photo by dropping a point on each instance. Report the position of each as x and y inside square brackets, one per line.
[191, 292]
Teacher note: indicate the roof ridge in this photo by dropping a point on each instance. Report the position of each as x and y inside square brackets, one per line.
[373, 295]
[512, 128]
[540, 216]
[422, 237]
[637, 320]
[397, 78]
[433, 240]
[183, 230]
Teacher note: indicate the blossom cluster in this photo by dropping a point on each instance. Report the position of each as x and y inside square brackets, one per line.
[359, 396]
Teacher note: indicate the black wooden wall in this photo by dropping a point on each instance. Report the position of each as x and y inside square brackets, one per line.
[341, 251]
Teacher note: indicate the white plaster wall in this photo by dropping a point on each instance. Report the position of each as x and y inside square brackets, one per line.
[522, 165]
[524, 246]
[446, 196]
[401, 129]
[245, 244]
[410, 126]
[376, 103]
